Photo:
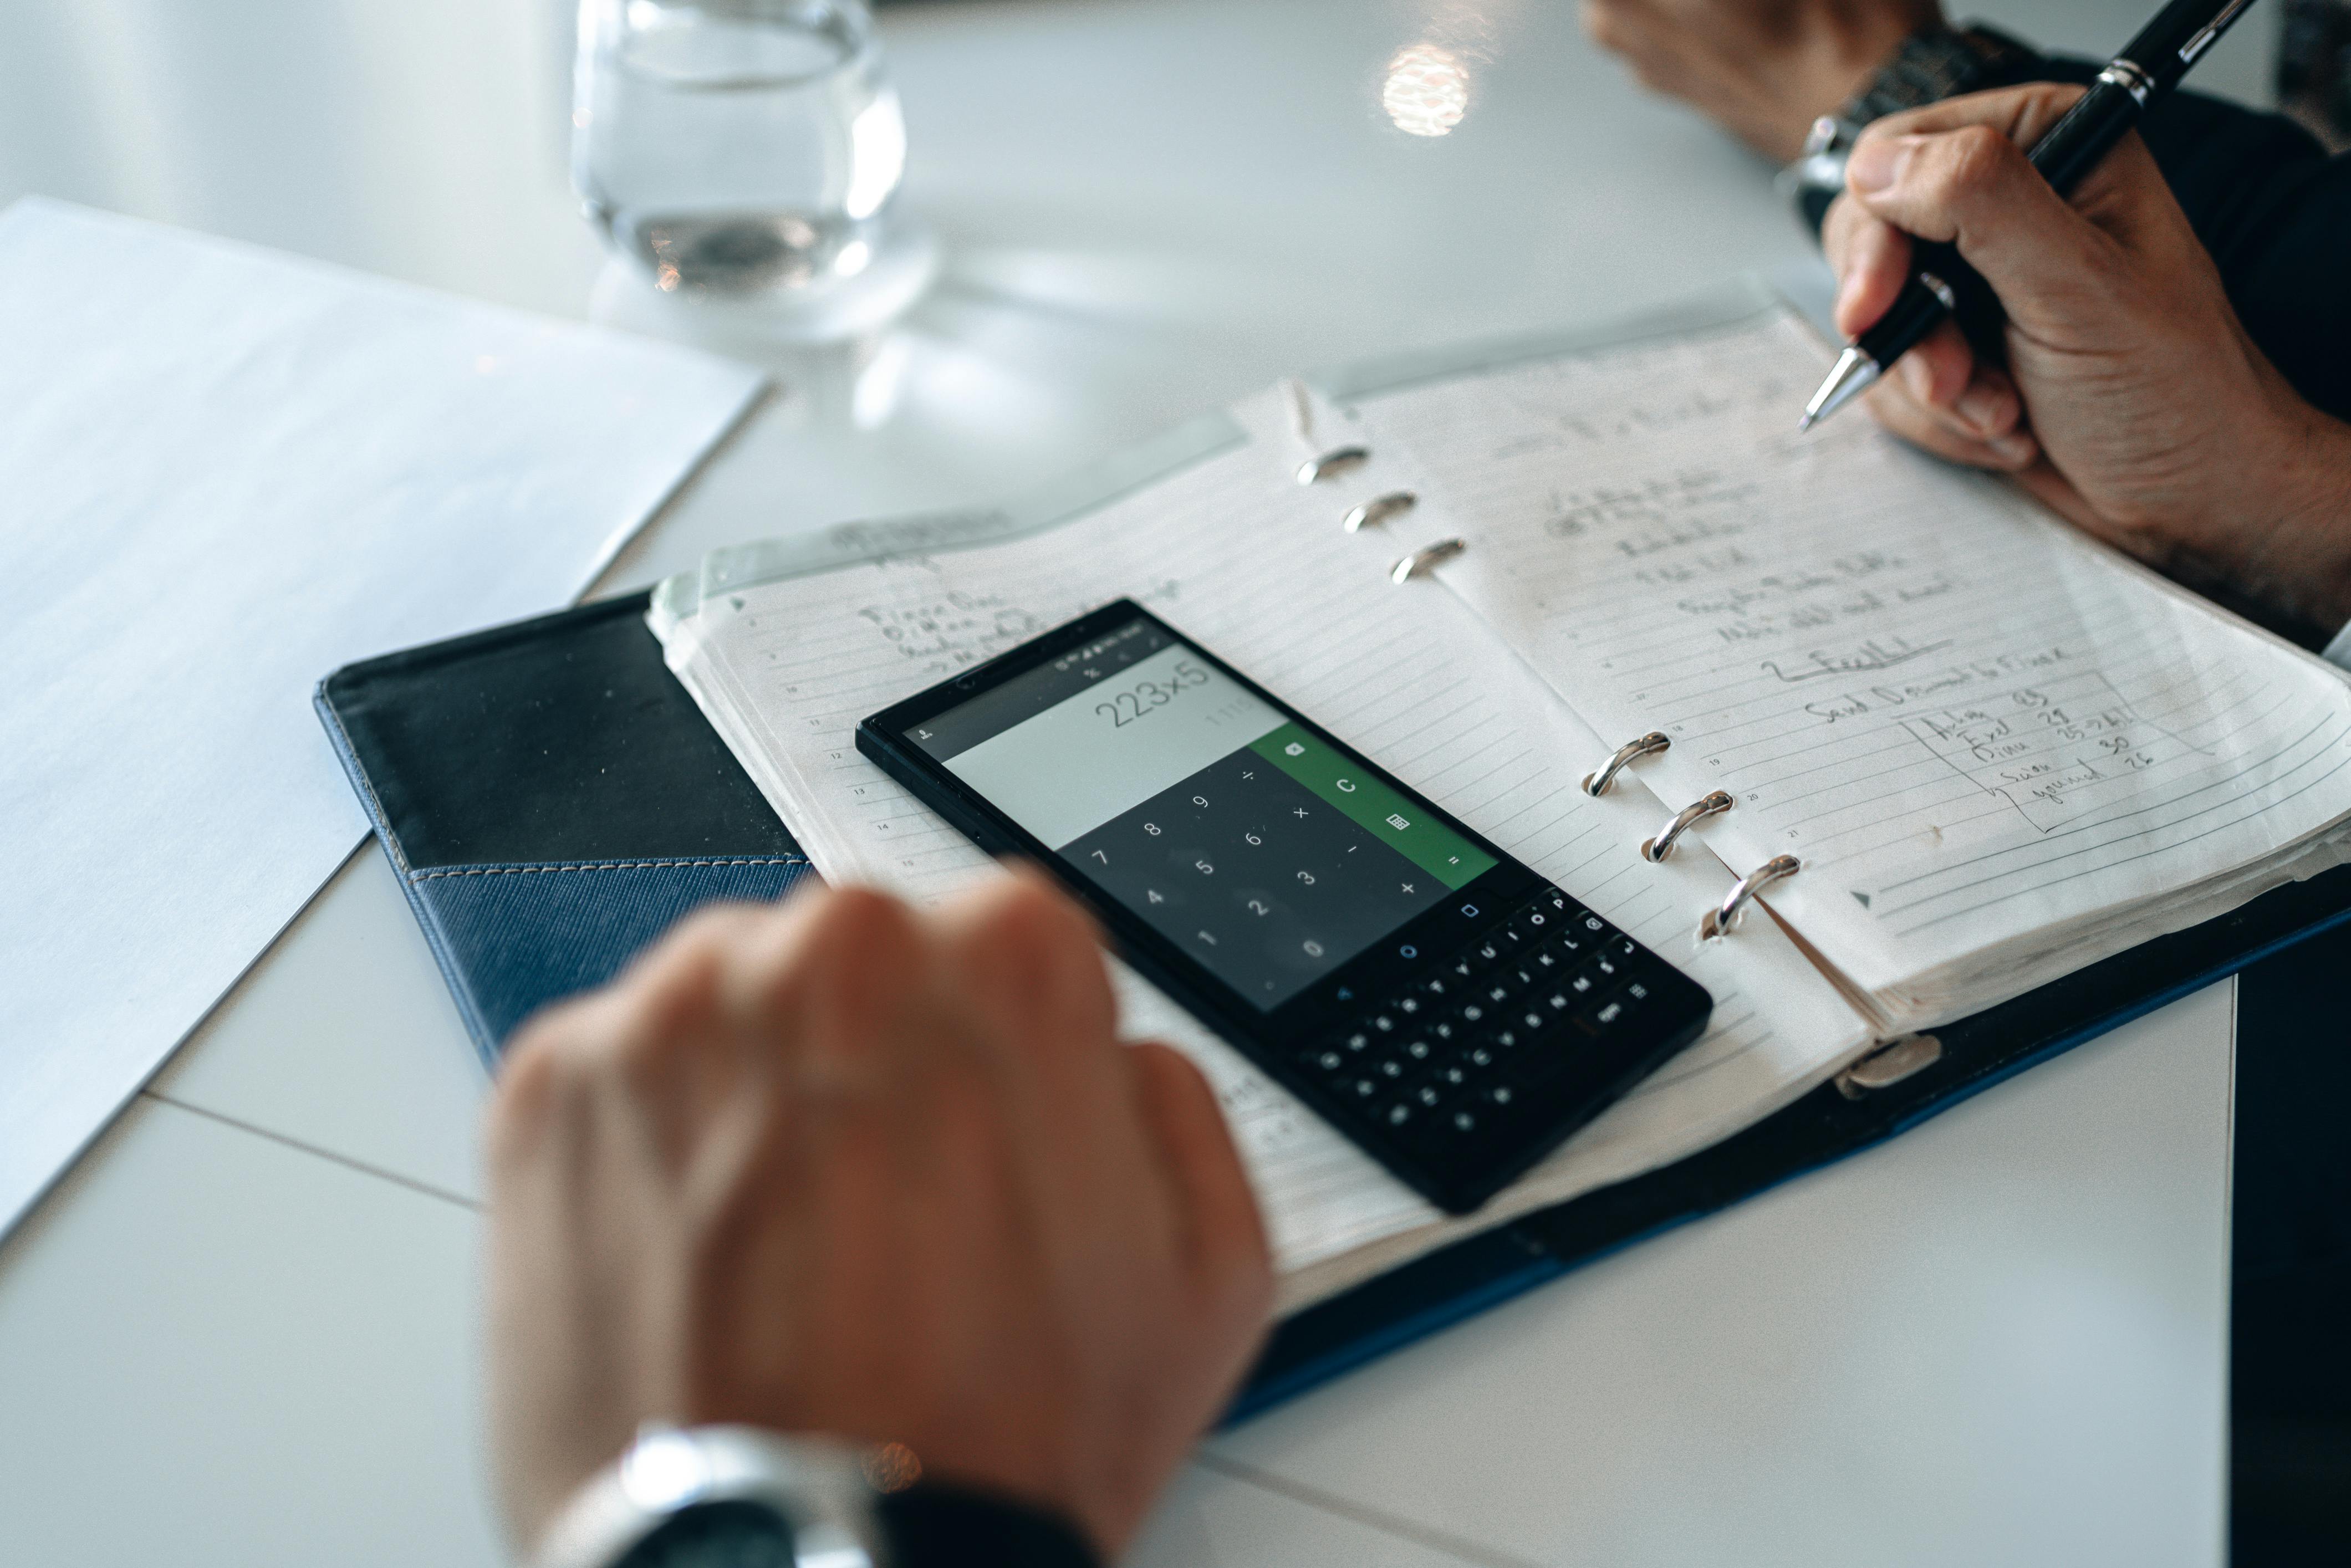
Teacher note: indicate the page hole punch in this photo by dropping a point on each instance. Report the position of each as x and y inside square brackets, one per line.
[1379, 509]
[1330, 465]
[1597, 781]
[1719, 922]
[1658, 849]
[1421, 560]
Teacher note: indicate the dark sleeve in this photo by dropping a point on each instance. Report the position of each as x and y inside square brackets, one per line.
[932, 1525]
[2276, 212]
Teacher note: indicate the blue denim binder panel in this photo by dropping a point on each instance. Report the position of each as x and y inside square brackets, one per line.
[519, 936]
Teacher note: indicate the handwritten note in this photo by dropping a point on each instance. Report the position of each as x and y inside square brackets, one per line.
[1233, 552]
[1973, 727]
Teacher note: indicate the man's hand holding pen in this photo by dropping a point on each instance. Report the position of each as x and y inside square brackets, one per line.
[2132, 401]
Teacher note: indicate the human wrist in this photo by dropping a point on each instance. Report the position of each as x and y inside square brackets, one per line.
[2300, 562]
[1831, 69]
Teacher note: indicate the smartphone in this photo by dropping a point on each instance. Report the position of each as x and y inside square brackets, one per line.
[1440, 1003]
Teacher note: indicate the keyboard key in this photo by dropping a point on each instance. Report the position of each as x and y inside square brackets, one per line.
[1606, 1016]
[1463, 1121]
[1398, 1116]
[1417, 1050]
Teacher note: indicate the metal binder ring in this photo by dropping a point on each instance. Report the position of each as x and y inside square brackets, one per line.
[1338, 460]
[1779, 868]
[1379, 509]
[1659, 848]
[1421, 560]
[1597, 781]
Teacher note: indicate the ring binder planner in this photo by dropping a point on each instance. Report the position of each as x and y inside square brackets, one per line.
[1379, 509]
[1338, 460]
[1421, 560]
[1597, 781]
[1659, 848]
[1779, 868]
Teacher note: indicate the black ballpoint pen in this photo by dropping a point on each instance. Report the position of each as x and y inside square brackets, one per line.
[2149, 66]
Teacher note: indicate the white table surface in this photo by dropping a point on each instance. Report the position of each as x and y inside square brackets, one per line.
[240, 1330]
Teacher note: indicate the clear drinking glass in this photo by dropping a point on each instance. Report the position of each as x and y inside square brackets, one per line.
[735, 146]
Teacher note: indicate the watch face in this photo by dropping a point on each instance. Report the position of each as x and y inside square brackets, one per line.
[716, 1535]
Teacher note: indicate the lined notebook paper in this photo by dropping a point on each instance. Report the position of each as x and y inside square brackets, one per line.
[1230, 548]
[1991, 742]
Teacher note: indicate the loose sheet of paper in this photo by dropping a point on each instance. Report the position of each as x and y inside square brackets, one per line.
[227, 473]
[1974, 727]
[1234, 553]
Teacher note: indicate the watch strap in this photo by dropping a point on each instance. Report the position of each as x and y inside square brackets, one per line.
[935, 1525]
[1935, 63]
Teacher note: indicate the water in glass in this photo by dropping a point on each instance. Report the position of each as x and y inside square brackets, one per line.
[736, 145]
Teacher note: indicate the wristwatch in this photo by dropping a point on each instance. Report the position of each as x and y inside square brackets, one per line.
[1932, 64]
[735, 1496]
[741, 1497]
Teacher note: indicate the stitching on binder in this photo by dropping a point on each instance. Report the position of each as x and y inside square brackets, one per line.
[606, 865]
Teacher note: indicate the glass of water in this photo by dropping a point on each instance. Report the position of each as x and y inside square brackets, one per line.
[739, 147]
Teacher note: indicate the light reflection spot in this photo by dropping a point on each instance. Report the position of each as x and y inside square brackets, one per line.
[1426, 91]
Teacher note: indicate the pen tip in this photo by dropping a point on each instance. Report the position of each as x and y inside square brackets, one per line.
[1803, 423]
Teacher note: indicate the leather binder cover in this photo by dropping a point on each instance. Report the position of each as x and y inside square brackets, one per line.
[552, 800]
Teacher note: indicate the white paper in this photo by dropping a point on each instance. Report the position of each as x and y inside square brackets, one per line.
[225, 472]
[1233, 552]
[1989, 741]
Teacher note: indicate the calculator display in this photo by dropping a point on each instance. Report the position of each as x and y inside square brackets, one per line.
[1229, 828]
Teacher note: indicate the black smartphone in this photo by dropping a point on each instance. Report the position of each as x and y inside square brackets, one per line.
[1438, 1002]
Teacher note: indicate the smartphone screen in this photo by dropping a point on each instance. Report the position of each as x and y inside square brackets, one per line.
[1264, 853]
